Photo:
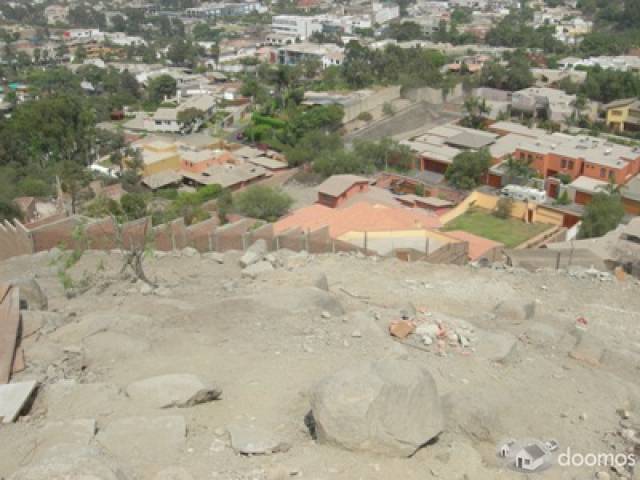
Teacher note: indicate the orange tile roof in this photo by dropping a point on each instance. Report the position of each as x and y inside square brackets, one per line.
[360, 217]
[478, 246]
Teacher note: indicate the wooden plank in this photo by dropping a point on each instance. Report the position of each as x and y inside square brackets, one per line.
[13, 398]
[9, 323]
[19, 363]
[4, 289]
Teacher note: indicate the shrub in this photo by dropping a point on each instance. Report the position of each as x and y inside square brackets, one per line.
[365, 116]
[263, 203]
[504, 207]
[134, 205]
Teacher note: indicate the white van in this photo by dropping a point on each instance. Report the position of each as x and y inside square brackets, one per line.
[523, 194]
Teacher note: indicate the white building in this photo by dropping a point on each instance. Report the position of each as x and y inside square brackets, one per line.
[167, 120]
[296, 25]
[83, 34]
[327, 54]
[56, 14]
[383, 13]
[215, 10]
[124, 40]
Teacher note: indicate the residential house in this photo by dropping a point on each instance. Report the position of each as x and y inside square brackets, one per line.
[623, 115]
[159, 156]
[299, 26]
[56, 14]
[326, 54]
[338, 188]
[169, 120]
[228, 175]
[200, 160]
[374, 227]
[439, 146]
[542, 102]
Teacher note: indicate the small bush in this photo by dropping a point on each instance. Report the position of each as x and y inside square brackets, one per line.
[365, 116]
[263, 203]
[504, 207]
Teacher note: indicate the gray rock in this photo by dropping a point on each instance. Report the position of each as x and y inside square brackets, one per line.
[42, 321]
[78, 432]
[144, 438]
[389, 407]
[177, 390]
[496, 347]
[68, 399]
[515, 310]
[249, 258]
[321, 282]
[259, 247]
[190, 252]
[588, 349]
[215, 257]
[31, 295]
[173, 473]
[70, 462]
[250, 440]
[255, 269]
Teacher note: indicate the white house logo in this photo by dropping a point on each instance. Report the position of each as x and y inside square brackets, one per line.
[527, 455]
[532, 455]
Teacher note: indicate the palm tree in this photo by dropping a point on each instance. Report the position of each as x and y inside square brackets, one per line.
[476, 110]
[518, 170]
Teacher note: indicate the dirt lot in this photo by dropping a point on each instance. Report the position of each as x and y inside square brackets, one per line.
[530, 371]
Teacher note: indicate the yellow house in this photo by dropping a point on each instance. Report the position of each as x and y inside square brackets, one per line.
[623, 114]
[159, 156]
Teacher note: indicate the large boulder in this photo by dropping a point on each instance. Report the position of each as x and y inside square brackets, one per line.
[145, 439]
[70, 462]
[176, 390]
[31, 295]
[390, 407]
[255, 269]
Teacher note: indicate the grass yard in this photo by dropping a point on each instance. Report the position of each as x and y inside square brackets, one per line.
[511, 232]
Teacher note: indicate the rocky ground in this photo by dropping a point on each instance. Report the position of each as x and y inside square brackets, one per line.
[212, 374]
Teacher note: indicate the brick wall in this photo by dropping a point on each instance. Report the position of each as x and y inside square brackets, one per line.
[14, 240]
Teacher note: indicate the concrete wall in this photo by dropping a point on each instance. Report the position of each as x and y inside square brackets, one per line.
[520, 210]
[371, 102]
[104, 234]
[434, 96]
[451, 253]
[14, 240]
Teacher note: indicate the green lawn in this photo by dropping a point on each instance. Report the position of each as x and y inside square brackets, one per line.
[510, 232]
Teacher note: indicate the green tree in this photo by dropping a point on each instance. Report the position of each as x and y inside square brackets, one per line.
[467, 169]
[160, 87]
[80, 55]
[190, 116]
[134, 206]
[518, 170]
[476, 110]
[74, 179]
[601, 215]
[9, 210]
[263, 203]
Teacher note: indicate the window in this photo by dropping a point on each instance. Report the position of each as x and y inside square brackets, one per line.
[603, 172]
[564, 163]
[571, 164]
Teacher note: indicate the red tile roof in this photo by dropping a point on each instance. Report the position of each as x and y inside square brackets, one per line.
[360, 217]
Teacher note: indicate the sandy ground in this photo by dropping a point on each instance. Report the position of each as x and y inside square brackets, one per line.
[266, 343]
